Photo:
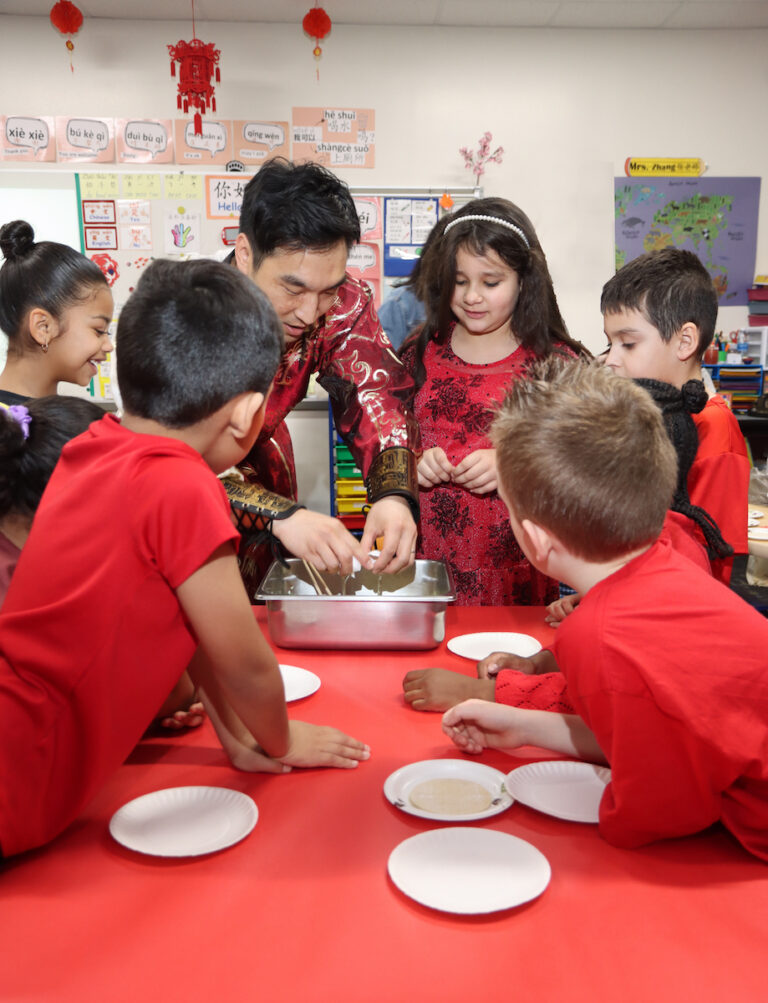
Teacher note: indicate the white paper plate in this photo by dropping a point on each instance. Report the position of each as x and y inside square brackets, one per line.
[479, 646]
[564, 789]
[398, 786]
[758, 534]
[184, 821]
[756, 513]
[298, 682]
[464, 869]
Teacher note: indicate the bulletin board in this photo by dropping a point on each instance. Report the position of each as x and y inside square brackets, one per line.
[124, 219]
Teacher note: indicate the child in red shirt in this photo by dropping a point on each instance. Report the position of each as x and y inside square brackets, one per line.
[145, 580]
[659, 312]
[665, 666]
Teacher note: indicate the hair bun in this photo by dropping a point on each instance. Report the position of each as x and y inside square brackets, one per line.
[694, 396]
[16, 239]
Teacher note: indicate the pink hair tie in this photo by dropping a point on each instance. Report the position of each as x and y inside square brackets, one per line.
[20, 414]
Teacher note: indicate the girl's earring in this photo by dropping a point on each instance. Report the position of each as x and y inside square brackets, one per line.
[44, 346]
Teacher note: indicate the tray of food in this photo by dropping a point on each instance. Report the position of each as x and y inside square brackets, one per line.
[361, 610]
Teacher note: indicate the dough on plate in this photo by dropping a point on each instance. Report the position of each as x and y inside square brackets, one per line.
[451, 796]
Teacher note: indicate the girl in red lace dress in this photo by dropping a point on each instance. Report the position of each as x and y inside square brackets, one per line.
[491, 310]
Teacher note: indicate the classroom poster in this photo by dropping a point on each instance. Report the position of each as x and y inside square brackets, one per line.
[25, 138]
[407, 223]
[334, 137]
[224, 195]
[254, 141]
[144, 140]
[716, 218]
[214, 146]
[182, 233]
[85, 140]
[369, 214]
[364, 263]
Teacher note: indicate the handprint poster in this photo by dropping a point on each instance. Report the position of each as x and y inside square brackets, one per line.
[182, 233]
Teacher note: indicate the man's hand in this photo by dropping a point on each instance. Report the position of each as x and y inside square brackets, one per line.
[477, 472]
[439, 689]
[434, 467]
[390, 518]
[319, 745]
[322, 540]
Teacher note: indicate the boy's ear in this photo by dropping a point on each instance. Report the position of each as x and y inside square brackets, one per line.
[43, 327]
[247, 410]
[687, 341]
[243, 254]
[540, 541]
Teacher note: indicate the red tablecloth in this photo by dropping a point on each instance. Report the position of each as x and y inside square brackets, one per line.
[303, 909]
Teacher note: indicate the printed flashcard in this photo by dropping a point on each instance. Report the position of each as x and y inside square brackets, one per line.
[182, 232]
[213, 146]
[142, 186]
[369, 214]
[100, 238]
[135, 237]
[134, 212]
[99, 185]
[85, 140]
[183, 186]
[144, 141]
[27, 138]
[335, 137]
[256, 141]
[98, 211]
[224, 195]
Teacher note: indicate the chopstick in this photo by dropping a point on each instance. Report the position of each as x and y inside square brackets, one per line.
[321, 587]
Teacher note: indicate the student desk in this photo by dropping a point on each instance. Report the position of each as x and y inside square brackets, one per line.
[303, 909]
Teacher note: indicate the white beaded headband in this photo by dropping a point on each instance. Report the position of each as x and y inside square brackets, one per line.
[491, 219]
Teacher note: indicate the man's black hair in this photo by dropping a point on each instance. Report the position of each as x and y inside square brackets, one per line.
[295, 207]
[192, 336]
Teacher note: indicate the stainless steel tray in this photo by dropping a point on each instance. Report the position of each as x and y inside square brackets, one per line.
[401, 611]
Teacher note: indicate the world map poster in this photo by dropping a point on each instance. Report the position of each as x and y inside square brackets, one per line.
[716, 218]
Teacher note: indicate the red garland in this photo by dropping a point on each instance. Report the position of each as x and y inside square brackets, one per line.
[66, 17]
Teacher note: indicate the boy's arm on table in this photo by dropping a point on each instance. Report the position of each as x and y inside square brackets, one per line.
[476, 725]
[438, 689]
[238, 673]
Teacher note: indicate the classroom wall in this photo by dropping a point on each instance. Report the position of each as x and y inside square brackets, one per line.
[567, 105]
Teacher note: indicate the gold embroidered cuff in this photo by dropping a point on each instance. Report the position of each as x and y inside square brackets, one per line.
[254, 506]
[393, 472]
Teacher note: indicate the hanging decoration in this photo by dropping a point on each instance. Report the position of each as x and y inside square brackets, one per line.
[199, 62]
[476, 162]
[68, 19]
[317, 24]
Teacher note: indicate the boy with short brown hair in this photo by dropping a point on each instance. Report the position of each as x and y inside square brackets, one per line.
[587, 472]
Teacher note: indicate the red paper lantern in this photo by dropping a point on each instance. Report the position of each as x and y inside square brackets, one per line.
[198, 63]
[68, 19]
[316, 24]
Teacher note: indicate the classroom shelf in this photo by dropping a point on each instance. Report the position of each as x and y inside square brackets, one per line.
[349, 497]
[743, 384]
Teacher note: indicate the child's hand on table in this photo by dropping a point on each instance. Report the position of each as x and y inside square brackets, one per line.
[477, 724]
[542, 661]
[192, 717]
[320, 745]
[477, 472]
[561, 608]
[439, 689]
[434, 467]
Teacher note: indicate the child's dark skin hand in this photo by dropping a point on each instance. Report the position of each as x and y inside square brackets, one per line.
[439, 689]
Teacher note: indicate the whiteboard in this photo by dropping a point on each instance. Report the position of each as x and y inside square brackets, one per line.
[46, 200]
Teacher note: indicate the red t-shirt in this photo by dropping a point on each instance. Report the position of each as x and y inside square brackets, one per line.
[92, 636]
[718, 480]
[668, 667]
